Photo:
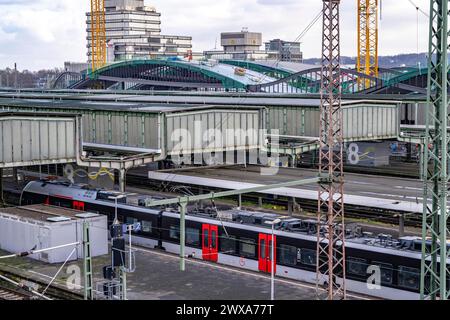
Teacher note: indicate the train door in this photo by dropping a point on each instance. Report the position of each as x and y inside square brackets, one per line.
[265, 253]
[78, 205]
[210, 237]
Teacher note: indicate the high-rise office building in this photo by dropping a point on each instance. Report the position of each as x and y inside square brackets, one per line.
[133, 30]
[284, 50]
[242, 45]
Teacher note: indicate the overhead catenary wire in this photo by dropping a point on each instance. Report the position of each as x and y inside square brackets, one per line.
[297, 39]
[417, 36]
[33, 251]
[419, 9]
[309, 26]
[42, 275]
[240, 240]
[22, 286]
[304, 32]
[232, 251]
[59, 270]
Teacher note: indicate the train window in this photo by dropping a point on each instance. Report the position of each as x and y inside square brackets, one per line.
[63, 204]
[357, 266]
[130, 220]
[270, 249]
[206, 238]
[213, 238]
[287, 255]
[408, 277]
[193, 237]
[146, 226]
[174, 232]
[66, 205]
[262, 249]
[308, 257]
[247, 247]
[228, 244]
[386, 272]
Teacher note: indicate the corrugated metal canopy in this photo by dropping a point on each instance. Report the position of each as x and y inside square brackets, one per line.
[106, 104]
[160, 102]
[38, 138]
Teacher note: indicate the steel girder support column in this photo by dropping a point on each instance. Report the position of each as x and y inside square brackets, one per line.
[2, 200]
[122, 179]
[330, 229]
[435, 233]
[183, 206]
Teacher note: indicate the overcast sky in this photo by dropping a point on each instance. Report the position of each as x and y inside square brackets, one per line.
[44, 33]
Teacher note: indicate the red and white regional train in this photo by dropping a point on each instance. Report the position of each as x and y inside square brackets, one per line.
[242, 239]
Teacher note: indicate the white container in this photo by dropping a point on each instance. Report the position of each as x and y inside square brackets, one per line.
[23, 229]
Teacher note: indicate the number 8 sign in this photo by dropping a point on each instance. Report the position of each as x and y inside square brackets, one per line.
[353, 153]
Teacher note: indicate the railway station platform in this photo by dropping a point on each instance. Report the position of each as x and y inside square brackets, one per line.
[157, 277]
[387, 193]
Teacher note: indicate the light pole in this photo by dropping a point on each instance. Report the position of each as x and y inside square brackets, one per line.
[122, 272]
[272, 260]
[115, 198]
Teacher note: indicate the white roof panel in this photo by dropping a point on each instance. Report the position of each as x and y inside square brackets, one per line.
[289, 192]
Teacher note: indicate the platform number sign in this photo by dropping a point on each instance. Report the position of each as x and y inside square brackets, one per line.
[137, 226]
[353, 154]
[374, 280]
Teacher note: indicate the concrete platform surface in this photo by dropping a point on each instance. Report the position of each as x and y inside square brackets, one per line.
[157, 277]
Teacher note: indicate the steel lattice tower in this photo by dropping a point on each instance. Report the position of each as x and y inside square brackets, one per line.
[331, 243]
[367, 59]
[98, 34]
[435, 276]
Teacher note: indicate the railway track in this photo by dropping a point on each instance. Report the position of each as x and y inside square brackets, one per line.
[10, 294]
[351, 211]
[397, 168]
[53, 292]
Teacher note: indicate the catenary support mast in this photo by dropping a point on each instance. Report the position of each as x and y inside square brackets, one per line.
[435, 233]
[330, 238]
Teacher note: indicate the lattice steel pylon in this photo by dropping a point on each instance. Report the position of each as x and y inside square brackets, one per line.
[98, 34]
[331, 230]
[435, 276]
[87, 263]
[367, 58]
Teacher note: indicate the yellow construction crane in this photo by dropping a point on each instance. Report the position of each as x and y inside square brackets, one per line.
[98, 34]
[367, 59]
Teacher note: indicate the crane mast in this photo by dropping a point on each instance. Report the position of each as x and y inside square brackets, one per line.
[98, 34]
[367, 59]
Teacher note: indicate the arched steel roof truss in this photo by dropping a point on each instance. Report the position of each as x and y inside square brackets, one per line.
[160, 73]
